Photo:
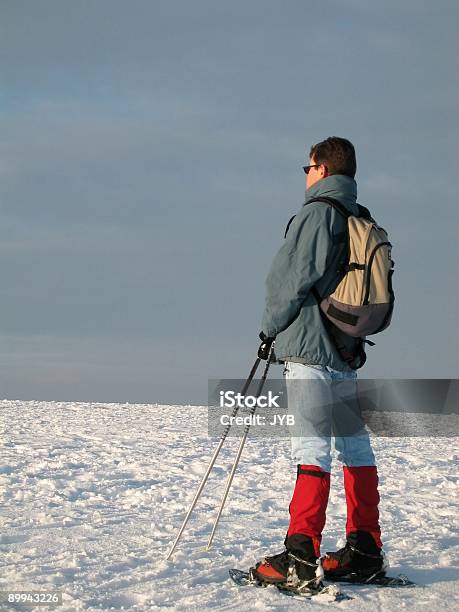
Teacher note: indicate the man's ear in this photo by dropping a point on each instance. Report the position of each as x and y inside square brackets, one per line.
[323, 171]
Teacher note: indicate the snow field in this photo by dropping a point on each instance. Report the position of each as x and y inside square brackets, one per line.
[92, 496]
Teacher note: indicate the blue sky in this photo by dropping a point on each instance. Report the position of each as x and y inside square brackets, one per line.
[151, 155]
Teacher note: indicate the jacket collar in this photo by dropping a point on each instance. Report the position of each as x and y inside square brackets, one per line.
[338, 186]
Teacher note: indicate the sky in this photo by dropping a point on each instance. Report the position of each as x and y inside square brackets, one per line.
[150, 157]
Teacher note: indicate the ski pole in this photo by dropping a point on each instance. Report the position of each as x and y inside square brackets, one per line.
[241, 446]
[214, 458]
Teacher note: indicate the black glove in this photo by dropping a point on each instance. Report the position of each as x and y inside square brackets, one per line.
[265, 346]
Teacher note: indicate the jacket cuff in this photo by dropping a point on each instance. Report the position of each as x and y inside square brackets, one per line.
[269, 332]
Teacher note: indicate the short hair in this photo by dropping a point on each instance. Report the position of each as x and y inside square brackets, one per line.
[338, 154]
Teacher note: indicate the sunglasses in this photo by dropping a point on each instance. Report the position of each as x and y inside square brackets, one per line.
[307, 168]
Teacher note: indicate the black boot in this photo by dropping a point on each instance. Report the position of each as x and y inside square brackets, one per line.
[360, 556]
[297, 566]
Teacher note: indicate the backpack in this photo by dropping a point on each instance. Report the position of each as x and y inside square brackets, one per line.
[363, 302]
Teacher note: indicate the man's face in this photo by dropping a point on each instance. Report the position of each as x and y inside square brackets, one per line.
[316, 173]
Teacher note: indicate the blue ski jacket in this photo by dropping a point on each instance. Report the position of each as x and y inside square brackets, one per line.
[311, 256]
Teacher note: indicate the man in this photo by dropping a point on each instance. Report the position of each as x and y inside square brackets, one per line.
[320, 380]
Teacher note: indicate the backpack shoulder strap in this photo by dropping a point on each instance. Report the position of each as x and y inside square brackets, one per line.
[336, 204]
[332, 202]
[288, 225]
[364, 213]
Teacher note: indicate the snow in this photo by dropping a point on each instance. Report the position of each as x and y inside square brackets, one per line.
[92, 496]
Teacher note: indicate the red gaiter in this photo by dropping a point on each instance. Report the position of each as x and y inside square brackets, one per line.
[362, 499]
[309, 503]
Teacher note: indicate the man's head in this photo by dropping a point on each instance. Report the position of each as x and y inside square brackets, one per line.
[331, 156]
